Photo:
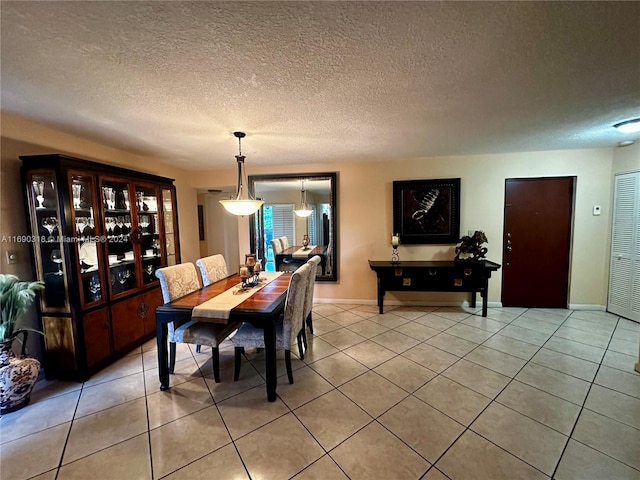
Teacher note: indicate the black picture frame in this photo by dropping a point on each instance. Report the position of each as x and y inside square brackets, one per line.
[427, 211]
[201, 222]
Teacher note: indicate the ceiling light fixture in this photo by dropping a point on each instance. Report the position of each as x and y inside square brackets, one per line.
[243, 204]
[629, 126]
[304, 210]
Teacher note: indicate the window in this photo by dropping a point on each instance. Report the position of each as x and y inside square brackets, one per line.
[278, 222]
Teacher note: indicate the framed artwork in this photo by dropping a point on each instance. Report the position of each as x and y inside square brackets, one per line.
[427, 211]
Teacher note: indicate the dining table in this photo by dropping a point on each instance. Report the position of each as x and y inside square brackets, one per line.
[298, 254]
[262, 309]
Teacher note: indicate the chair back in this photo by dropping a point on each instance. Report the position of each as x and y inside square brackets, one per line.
[285, 243]
[212, 268]
[178, 280]
[308, 302]
[276, 245]
[294, 306]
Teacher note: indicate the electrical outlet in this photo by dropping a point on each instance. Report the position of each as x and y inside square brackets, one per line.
[12, 257]
[596, 210]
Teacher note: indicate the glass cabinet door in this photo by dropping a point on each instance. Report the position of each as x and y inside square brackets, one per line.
[88, 240]
[169, 226]
[48, 240]
[118, 225]
[150, 234]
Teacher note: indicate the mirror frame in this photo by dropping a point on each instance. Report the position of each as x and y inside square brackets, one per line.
[333, 198]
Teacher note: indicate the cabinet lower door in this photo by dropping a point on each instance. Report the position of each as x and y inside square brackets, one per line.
[153, 300]
[97, 336]
[127, 321]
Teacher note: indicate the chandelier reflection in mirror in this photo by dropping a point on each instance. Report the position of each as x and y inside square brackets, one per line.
[243, 204]
[304, 210]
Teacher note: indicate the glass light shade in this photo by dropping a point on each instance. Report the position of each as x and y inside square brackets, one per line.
[242, 207]
[630, 126]
[243, 204]
[303, 212]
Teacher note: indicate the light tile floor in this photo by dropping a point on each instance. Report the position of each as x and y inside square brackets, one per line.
[417, 392]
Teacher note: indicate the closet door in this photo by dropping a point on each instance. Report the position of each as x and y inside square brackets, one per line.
[624, 275]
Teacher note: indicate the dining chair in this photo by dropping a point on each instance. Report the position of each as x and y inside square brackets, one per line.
[177, 281]
[285, 242]
[212, 268]
[308, 303]
[288, 328]
[276, 245]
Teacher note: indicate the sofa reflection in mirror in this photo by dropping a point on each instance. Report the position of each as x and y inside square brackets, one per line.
[296, 222]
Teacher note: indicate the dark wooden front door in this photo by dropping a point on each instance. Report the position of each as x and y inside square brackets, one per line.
[536, 243]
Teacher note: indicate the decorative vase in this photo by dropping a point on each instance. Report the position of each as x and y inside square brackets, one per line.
[18, 375]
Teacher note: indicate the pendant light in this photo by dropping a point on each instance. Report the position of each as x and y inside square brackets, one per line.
[303, 211]
[243, 204]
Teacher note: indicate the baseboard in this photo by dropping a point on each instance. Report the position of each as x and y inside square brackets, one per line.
[587, 306]
[351, 301]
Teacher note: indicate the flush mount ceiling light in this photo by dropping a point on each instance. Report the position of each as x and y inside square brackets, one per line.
[629, 126]
[243, 204]
[304, 210]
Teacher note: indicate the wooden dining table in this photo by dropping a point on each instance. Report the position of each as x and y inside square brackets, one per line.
[262, 309]
[286, 256]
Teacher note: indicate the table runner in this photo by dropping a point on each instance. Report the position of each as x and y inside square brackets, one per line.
[220, 306]
[302, 253]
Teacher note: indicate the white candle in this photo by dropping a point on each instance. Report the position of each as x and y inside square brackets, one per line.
[251, 260]
[257, 267]
[244, 272]
[395, 240]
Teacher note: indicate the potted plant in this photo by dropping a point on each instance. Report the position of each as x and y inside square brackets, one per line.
[18, 374]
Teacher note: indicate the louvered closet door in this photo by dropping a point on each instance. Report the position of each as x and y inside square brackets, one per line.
[624, 277]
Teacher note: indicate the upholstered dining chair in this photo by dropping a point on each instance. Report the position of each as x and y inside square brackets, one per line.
[212, 268]
[288, 329]
[177, 281]
[285, 242]
[308, 303]
[276, 245]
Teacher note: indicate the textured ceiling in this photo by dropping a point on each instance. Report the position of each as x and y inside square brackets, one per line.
[324, 81]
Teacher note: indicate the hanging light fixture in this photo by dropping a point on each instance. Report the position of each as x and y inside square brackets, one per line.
[243, 204]
[304, 210]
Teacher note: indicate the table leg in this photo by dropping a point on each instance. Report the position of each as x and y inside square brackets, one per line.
[161, 339]
[485, 297]
[380, 296]
[472, 303]
[270, 358]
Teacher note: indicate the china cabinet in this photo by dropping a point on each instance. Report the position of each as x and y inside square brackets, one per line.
[98, 233]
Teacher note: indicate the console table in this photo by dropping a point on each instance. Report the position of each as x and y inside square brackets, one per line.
[436, 276]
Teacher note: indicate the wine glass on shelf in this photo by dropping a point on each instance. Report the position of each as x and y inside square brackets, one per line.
[109, 197]
[149, 268]
[38, 189]
[120, 224]
[81, 224]
[50, 223]
[76, 190]
[144, 222]
[127, 222]
[110, 224]
[94, 288]
[127, 203]
[56, 257]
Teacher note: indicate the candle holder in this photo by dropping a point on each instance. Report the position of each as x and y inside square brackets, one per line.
[250, 272]
[395, 242]
[305, 242]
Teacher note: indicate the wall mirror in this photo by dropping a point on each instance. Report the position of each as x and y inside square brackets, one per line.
[296, 222]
